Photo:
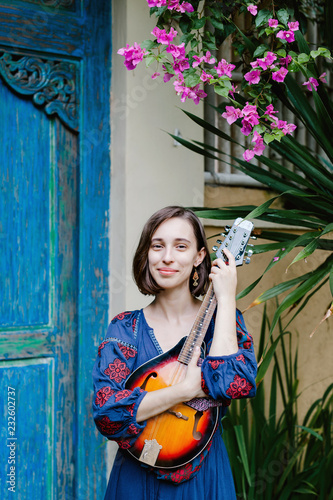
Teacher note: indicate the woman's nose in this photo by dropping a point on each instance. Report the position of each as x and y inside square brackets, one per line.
[168, 255]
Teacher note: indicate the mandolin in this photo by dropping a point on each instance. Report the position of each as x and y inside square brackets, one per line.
[176, 436]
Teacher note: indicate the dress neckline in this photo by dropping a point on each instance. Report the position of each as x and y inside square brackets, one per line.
[152, 334]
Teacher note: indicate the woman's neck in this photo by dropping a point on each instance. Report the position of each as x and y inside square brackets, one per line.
[172, 306]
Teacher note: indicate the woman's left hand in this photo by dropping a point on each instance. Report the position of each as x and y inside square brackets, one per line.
[224, 277]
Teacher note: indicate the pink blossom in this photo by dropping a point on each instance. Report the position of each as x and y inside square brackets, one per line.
[194, 93]
[253, 9]
[162, 36]
[268, 60]
[231, 114]
[177, 51]
[248, 155]
[286, 35]
[156, 3]
[270, 111]
[275, 259]
[259, 144]
[167, 76]
[133, 55]
[205, 77]
[273, 23]
[155, 75]
[253, 76]
[287, 128]
[207, 59]
[250, 113]
[224, 68]
[181, 65]
[322, 78]
[232, 92]
[293, 26]
[279, 76]
[286, 60]
[184, 7]
[246, 128]
[311, 84]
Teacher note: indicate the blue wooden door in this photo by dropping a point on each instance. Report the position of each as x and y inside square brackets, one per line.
[54, 199]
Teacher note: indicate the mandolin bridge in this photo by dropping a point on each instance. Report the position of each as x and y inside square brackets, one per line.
[150, 452]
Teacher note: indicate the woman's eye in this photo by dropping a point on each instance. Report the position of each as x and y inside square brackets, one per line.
[181, 247]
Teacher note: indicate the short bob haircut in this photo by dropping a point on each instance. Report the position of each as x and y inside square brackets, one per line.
[141, 273]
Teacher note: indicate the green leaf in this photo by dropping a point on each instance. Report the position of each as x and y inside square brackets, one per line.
[303, 58]
[223, 91]
[217, 24]
[192, 79]
[242, 450]
[149, 60]
[263, 367]
[310, 431]
[283, 16]
[260, 50]
[308, 250]
[197, 24]
[262, 17]
[148, 44]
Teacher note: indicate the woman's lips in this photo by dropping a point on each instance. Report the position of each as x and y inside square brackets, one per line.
[167, 271]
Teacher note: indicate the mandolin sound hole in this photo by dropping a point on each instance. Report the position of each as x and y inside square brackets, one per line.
[151, 375]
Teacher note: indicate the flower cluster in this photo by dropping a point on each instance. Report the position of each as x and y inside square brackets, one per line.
[191, 70]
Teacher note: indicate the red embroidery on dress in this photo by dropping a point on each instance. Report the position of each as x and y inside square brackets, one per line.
[117, 371]
[124, 444]
[127, 351]
[215, 363]
[107, 427]
[122, 394]
[103, 395]
[122, 315]
[239, 388]
[247, 344]
[203, 384]
[103, 344]
[133, 430]
[130, 409]
[240, 358]
[182, 474]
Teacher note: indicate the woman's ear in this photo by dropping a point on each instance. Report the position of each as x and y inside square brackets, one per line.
[200, 257]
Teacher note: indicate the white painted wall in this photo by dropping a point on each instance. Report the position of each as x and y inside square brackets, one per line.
[148, 171]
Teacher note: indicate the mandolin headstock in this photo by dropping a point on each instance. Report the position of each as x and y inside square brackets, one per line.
[236, 240]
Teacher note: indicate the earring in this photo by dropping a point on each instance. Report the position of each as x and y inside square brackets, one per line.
[195, 277]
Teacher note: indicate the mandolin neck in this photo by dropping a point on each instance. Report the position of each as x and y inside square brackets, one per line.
[200, 326]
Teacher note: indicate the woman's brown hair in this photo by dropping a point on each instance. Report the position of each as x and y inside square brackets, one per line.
[142, 276]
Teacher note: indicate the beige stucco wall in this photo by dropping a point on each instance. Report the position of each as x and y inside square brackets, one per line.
[148, 170]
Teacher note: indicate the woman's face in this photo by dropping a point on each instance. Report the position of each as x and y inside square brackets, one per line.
[173, 253]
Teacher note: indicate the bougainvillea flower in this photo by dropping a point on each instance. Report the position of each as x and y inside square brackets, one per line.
[155, 75]
[177, 51]
[194, 93]
[311, 84]
[253, 9]
[284, 61]
[270, 111]
[224, 68]
[286, 35]
[248, 154]
[293, 26]
[156, 3]
[163, 37]
[231, 114]
[184, 7]
[205, 77]
[273, 23]
[133, 55]
[253, 76]
[279, 76]
[322, 78]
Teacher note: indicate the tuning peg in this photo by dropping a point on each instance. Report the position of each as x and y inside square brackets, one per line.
[253, 237]
[215, 248]
[249, 252]
[227, 228]
[219, 242]
[247, 260]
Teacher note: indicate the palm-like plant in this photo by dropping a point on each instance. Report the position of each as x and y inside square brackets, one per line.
[306, 186]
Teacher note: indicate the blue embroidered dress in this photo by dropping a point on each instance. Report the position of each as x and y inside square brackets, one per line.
[129, 343]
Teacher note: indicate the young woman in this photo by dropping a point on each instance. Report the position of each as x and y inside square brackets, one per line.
[172, 264]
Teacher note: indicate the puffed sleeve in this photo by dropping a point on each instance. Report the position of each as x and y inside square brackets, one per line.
[232, 377]
[114, 406]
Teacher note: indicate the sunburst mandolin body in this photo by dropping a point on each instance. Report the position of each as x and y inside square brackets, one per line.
[182, 432]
